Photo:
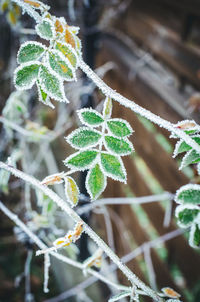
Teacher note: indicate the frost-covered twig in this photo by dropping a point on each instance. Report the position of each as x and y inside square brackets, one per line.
[63, 258]
[66, 208]
[136, 108]
[125, 200]
[30, 11]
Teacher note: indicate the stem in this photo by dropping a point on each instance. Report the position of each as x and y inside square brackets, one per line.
[66, 208]
[30, 11]
[135, 107]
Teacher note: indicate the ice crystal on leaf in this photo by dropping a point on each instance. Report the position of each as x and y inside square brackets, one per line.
[194, 239]
[187, 215]
[81, 160]
[119, 127]
[118, 146]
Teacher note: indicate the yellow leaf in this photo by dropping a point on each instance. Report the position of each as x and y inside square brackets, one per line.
[71, 191]
[32, 3]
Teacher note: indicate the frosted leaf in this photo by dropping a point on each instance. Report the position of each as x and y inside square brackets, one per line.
[188, 194]
[189, 126]
[37, 4]
[71, 191]
[120, 296]
[45, 29]
[69, 37]
[95, 260]
[182, 146]
[59, 25]
[83, 138]
[61, 65]
[53, 179]
[68, 51]
[113, 166]
[25, 75]
[107, 108]
[119, 127]
[118, 146]
[74, 29]
[90, 117]
[95, 182]
[43, 96]
[30, 51]
[51, 84]
[194, 239]
[186, 214]
[169, 292]
[81, 160]
[191, 157]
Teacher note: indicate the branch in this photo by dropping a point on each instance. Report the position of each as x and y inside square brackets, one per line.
[65, 259]
[135, 107]
[66, 208]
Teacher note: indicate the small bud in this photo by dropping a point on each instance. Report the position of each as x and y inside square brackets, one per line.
[186, 125]
[107, 109]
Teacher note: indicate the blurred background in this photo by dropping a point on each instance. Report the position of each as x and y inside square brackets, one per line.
[149, 51]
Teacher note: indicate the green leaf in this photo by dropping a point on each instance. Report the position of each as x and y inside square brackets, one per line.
[95, 182]
[60, 65]
[30, 51]
[43, 96]
[118, 146]
[90, 117]
[26, 75]
[51, 85]
[68, 51]
[45, 29]
[120, 296]
[191, 157]
[194, 239]
[182, 146]
[119, 127]
[71, 191]
[83, 138]
[188, 194]
[81, 160]
[186, 214]
[113, 166]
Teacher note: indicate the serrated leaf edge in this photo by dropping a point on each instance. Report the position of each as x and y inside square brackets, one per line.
[180, 208]
[52, 28]
[80, 168]
[185, 188]
[119, 120]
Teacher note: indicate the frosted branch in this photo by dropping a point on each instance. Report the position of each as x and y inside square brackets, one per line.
[65, 207]
[30, 11]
